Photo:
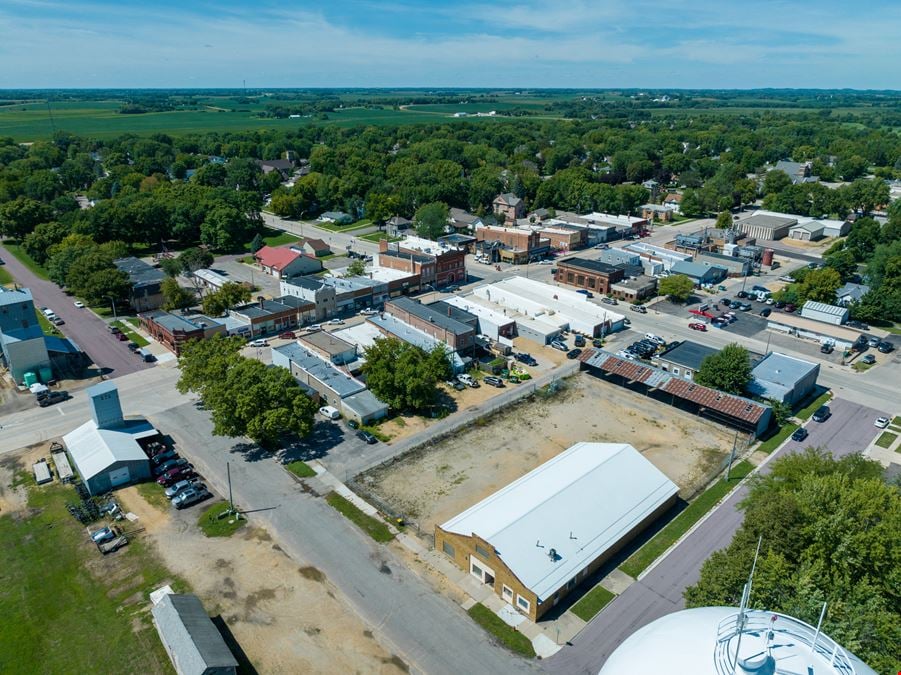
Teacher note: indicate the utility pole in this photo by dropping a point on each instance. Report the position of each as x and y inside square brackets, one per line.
[231, 503]
[732, 455]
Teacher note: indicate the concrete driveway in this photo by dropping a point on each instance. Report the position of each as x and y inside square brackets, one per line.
[85, 328]
[849, 429]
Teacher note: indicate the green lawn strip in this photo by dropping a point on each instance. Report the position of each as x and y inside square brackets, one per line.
[378, 433]
[592, 602]
[46, 326]
[860, 366]
[20, 254]
[374, 527]
[896, 420]
[507, 636]
[886, 438]
[335, 227]
[155, 495]
[130, 334]
[376, 237]
[809, 410]
[272, 237]
[212, 525]
[5, 277]
[52, 573]
[778, 438]
[653, 549]
[892, 427]
[300, 469]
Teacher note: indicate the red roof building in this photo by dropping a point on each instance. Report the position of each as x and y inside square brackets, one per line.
[282, 262]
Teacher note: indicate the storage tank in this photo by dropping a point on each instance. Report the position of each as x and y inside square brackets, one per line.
[30, 379]
[767, 258]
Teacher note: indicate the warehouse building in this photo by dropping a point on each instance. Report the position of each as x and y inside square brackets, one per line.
[191, 639]
[329, 346]
[592, 275]
[736, 267]
[22, 341]
[839, 337]
[784, 378]
[701, 274]
[820, 311]
[492, 323]
[766, 225]
[107, 450]
[536, 539]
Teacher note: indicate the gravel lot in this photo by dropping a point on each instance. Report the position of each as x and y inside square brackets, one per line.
[435, 483]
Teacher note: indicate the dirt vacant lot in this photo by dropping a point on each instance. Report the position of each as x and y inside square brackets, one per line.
[435, 483]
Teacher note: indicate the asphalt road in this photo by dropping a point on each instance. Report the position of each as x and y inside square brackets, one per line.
[659, 591]
[85, 328]
[427, 630]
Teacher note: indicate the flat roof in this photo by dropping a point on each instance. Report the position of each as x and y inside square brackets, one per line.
[328, 342]
[364, 403]
[688, 354]
[426, 313]
[550, 524]
[779, 373]
[171, 322]
[478, 307]
[11, 296]
[814, 326]
[403, 331]
[139, 272]
[322, 370]
[834, 310]
[537, 299]
[94, 450]
[453, 311]
[590, 265]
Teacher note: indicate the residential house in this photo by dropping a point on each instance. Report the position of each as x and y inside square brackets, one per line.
[533, 541]
[674, 201]
[283, 262]
[799, 172]
[211, 280]
[463, 221]
[285, 167]
[509, 206]
[398, 226]
[656, 212]
[146, 283]
[337, 217]
[850, 293]
[314, 247]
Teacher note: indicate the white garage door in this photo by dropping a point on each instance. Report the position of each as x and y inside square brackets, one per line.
[119, 476]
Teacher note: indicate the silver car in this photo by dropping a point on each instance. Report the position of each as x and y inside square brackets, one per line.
[179, 487]
[191, 496]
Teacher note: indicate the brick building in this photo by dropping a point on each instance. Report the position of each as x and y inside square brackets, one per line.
[564, 238]
[593, 275]
[435, 264]
[174, 331]
[457, 335]
[510, 244]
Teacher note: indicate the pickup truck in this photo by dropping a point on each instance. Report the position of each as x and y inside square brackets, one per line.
[114, 544]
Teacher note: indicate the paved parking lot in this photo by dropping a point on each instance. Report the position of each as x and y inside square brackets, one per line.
[849, 429]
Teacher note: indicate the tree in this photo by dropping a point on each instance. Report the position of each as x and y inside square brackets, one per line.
[808, 507]
[37, 243]
[381, 207]
[231, 294]
[357, 268]
[775, 182]
[677, 287]
[724, 220]
[430, 220]
[225, 229]
[820, 285]
[728, 370]
[691, 204]
[257, 243]
[405, 376]
[20, 216]
[175, 296]
[102, 285]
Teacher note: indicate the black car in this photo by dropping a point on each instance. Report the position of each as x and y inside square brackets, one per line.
[779, 304]
[53, 397]
[827, 348]
[741, 294]
[766, 311]
[132, 346]
[885, 347]
[822, 414]
[164, 456]
[859, 325]
[800, 434]
[573, 353]
[580, 341]
[366, 436]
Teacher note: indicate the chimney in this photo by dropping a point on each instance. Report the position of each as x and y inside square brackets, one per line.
[260, 300]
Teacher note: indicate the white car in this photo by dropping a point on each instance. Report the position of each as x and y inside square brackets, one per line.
[655, 338]
[258, 343]
[315, 326]
[368, 312]
[881, 422]
[546, 262]
[79, 304]
[336, 322]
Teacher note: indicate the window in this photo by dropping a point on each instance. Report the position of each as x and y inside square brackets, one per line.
[475, 569]
[675, 370]
[687, 374]
[482, 552]
[522, 603]
[507, 593]
[591, 282]
[447, 548]
[569, 277]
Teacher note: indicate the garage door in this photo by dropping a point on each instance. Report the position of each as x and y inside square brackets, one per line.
[119, 476]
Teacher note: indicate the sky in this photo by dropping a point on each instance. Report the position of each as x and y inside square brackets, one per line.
[735, 44]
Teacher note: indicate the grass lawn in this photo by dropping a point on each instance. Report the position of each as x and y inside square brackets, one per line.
[886, 438]
[897, 420]
[335, 227]
[507, 636]
[214, 526]
[5, 277]
[860, 366]
[130, 334]
[374, 527]
[16, 249]
[65, 607]
[777, 439]
[807, 411]
[376, 237]
[592, 602]
[375, 431]
[155, 495]
[679, 525]
[46, 326]
[275, 238]
[300, 469]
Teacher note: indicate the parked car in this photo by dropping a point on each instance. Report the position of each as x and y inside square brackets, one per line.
[885, 347]
[545, 262]
[580, 341]
[641, 309]
[287, 335]
[587, 294]
[132, 347]
[353, 424]
[114, 330]
[869, 359]
[102, 535]
[336, 322]
[493, 381]
[573, 353]
[191, 496]
[745, 307]
[329, 412]
[53, 397]
[176, 488]
[458, 386]
[881, 422]
[827, 348]
[822, 414]
[789, 307]
[79, 304]
[121, 337]
[770, 301]
[58, 322]
[741, 294]
[734, 305]
[610, 301]
[524, 357]
[597, 342]
[366, 436]
[800, 434]
[779, 304]
[696, 325]
[170, 465]
[468, 380]
[859, 325]
[873, 341]
[655, 338]
[315, 326]
[369, 311]
[258, 343]
[174, 475]
[559, 344]
[164, 456]
[766, 311]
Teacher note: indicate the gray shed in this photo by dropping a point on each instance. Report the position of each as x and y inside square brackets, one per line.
[192, 641]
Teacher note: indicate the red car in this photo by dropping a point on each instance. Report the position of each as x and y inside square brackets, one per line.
[288, 335]
[121, 337]
[698, 326]
[175, 475]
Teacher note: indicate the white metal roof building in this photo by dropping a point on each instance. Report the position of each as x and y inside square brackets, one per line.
[491, 322]
[784, 378]
[705, 641]
[552, 304]
[552, 526]
[820, 311]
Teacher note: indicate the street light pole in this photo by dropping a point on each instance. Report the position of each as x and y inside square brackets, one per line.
[113, 303]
